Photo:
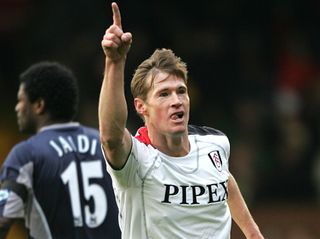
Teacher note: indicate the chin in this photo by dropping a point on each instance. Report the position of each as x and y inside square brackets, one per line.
[179, 129]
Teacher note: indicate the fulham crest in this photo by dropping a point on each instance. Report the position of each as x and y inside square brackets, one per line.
[216, 159]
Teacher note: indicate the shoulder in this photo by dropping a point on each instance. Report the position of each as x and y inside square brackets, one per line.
[203, 130]
[19, 155]
[142, 151]
[23, 146]
[210, 135]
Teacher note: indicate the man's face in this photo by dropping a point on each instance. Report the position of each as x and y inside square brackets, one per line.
[26, 117]
[168, 105]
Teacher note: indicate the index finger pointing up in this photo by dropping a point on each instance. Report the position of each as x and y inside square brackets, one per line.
[116, 15]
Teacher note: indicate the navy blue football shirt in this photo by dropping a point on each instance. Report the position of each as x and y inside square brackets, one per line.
[57, 181]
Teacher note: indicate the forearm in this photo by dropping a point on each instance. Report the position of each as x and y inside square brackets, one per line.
[240, 212]
[112, 103]
[113, 113]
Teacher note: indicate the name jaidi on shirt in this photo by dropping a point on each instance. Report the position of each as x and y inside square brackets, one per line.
[67, 144]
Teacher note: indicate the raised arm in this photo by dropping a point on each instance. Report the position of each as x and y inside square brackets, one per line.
[115, 138]
[240, 212]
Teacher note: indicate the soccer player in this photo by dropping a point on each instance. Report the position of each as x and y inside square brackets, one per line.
[56, 180]
[172, 179]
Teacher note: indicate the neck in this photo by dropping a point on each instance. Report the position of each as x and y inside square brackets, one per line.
[176, 146]
[46, 122]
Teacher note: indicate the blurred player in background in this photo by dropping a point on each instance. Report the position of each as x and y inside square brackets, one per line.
[56, 180]
[172, 179]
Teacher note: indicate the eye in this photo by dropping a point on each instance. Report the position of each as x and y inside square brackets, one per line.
[182, 90]
[163, 94]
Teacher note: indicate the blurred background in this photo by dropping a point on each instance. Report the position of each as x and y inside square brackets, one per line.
[254, 69]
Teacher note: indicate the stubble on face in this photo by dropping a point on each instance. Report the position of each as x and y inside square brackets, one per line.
[25, 116]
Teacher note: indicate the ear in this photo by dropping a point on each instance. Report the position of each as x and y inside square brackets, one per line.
[140, 106]
[39, 106]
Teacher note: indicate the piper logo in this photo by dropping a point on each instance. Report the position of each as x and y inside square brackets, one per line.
[216, 159]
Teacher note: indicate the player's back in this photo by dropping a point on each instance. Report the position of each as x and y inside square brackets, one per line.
[70, 192]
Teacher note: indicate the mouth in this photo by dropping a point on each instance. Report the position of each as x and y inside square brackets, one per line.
[177, 116]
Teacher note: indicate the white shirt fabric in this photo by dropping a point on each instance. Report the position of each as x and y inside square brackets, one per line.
[163, 197]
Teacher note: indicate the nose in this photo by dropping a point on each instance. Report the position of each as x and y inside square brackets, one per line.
[16, 108]
[176, 100]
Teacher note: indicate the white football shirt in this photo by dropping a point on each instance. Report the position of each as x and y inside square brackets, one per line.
[163, 197]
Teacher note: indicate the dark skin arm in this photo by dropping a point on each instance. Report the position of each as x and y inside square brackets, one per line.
[19, 189]
[5, 224]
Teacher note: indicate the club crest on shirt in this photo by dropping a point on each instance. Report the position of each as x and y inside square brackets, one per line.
[216, 159]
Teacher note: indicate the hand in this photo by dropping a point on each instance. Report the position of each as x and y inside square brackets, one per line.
[115, 42]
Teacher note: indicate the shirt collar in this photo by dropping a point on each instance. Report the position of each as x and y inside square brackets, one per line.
[60, 126]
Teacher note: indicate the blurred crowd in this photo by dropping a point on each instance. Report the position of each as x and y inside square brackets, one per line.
[254, 70]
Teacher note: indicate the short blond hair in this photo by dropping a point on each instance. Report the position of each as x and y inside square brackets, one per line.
[162, 60]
